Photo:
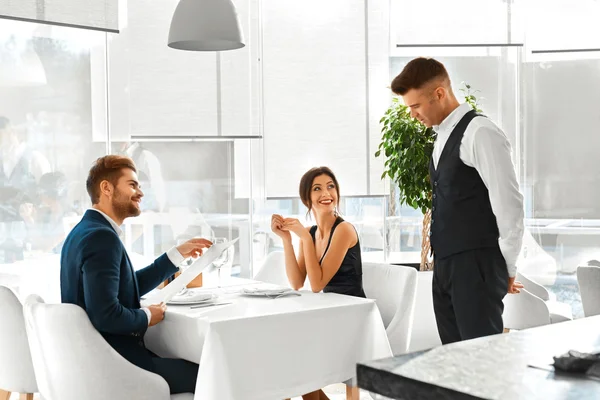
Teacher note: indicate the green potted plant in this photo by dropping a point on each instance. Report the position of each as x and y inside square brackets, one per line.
[407, 146]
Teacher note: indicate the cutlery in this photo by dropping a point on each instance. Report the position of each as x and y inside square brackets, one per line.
[209, 305]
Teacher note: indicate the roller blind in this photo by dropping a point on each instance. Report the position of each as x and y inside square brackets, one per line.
[325, 77]
[102, 15]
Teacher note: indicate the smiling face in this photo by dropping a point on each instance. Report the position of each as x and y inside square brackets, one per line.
[324, 194]
[319, 190]
[127, 195]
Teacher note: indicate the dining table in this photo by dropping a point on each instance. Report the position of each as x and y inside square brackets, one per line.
[252, 343]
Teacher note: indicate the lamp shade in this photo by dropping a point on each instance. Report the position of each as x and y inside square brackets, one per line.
[205, 25]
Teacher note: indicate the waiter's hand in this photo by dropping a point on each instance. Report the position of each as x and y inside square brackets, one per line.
[514, 286]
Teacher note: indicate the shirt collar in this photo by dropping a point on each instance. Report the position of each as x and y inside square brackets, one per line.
[451, 120]
[116, 227]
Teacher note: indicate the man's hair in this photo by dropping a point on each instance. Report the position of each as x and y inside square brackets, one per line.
[418, 73]
[4, 122]
[109, 168]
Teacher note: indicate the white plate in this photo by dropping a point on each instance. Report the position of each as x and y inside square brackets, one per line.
[190, 298]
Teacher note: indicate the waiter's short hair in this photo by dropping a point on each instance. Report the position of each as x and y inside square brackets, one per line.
[107, 168]
[418, 73]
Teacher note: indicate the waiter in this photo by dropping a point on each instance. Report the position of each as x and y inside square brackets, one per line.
[477, 209]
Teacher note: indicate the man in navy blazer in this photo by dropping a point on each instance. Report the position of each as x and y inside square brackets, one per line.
[97, 275]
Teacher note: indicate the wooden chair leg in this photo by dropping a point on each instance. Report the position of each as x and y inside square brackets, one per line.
[352, 393]
[4, 395]
[26, 396]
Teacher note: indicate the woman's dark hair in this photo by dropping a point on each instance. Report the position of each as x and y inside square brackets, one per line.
[307, 181]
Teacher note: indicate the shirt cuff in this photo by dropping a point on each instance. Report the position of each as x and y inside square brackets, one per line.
[512, 270]
[148, 314]
[175, 256]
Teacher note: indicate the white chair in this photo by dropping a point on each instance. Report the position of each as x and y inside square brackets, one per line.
[588, 278]
[524, 310]
[16, 369]
[394, 289]
[273, 270]
[559, 312]
[424, 333]
[72, 360]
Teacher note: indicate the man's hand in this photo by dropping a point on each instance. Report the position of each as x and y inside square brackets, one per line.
[513, 287]
[158, 313]
[193, 247]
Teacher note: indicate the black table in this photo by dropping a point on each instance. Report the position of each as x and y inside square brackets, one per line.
[494, 367]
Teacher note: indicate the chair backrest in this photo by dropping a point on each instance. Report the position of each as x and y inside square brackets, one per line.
[535, 262]
[533, 287]
[73, 361]
[393, 287]
[524, 310]
[588, 277]
[425, 333]
[273, 270]
[16, 368]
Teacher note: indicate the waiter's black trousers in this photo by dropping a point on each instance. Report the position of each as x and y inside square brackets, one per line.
[468, 289]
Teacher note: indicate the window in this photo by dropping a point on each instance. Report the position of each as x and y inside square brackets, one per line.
[47, 144]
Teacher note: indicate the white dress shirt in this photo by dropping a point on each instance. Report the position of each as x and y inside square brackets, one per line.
[487, 149]
[173, 254]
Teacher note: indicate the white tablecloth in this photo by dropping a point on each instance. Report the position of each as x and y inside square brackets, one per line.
[260, 348]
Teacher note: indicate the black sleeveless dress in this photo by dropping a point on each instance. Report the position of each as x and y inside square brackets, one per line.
[348, 279]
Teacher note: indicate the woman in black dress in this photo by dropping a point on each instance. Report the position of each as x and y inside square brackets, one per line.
[329, 253]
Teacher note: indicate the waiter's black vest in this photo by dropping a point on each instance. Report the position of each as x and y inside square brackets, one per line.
[462, 217]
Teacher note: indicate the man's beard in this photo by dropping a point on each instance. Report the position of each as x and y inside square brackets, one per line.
[123, 206]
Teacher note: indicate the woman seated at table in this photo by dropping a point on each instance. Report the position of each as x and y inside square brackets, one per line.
[329, 251]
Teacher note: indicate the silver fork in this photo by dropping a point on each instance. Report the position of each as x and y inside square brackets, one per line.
[284, 294]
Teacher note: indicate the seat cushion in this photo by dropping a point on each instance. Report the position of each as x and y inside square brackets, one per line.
[559, 312]
[182, 396]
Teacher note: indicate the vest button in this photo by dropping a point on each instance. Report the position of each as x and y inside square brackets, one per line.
[433, 208]
[434, 195]
[435, 183]
[429, 233]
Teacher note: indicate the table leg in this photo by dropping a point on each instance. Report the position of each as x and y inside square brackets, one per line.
[4, 395]
[26, 396]
[352, 393]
